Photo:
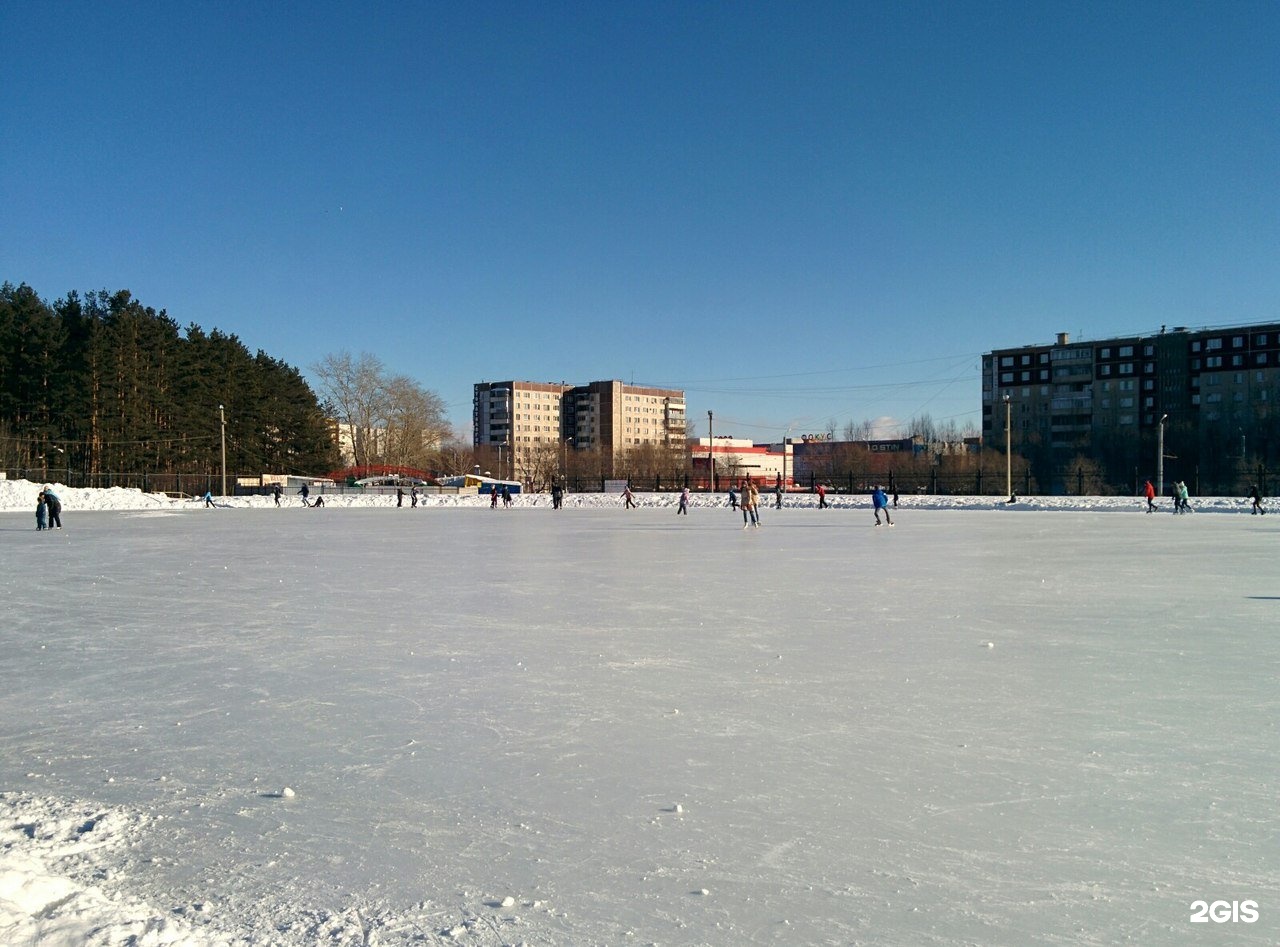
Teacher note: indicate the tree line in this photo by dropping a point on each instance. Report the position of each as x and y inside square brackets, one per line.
[109, 389]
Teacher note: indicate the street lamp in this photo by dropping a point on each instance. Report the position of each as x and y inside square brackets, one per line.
[1008, 451]
[565, 452]
[711, 458]
[222, 420]
[1160, 455]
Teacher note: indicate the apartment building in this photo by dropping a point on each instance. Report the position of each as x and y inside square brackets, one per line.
[1210, 391]
[611, 417]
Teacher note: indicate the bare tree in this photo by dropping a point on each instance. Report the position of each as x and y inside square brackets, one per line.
[390, 419]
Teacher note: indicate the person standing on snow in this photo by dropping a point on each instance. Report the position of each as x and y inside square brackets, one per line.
[1149, 492]
[880, 502]
[684, 502]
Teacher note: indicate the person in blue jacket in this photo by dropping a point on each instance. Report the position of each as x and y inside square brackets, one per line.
[880, 502]
[42, 510]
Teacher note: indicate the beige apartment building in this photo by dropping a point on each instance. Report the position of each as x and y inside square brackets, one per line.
[529, 420]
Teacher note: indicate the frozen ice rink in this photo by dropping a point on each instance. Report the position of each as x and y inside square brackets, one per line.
[598, 727]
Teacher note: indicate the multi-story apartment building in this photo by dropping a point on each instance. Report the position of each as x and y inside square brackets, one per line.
[1209, 392]
[527, 418]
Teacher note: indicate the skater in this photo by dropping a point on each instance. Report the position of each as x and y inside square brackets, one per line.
[42, 511]
[55, 508]
[753, 495]
[749, 517]
[275, 492]
[1182, 505]
[628, 498]
[318, 504]
[1256, 496]
[1149, 492]
[733, 498]
[557, 496]
[684, 502]
[306, 492]
[506, 498]
[413, 497]
[880, 502]
[895, 499]
[208, 499]
[822, 497]
[493, 496]
[399, 496]
[777, 497]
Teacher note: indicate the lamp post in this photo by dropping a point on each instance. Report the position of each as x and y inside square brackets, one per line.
[1008, 450]
[711, 446]
[1160, 455]
[222, 421]
[565, 452]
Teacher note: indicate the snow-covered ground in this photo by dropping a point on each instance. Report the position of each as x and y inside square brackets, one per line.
[987, 725]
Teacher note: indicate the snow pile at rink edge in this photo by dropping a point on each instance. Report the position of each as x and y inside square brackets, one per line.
[20, 496]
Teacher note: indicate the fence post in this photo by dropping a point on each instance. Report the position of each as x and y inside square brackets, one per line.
[1027, 488]
[977, 490]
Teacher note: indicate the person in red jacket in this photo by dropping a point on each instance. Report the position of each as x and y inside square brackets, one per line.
[1150, 493]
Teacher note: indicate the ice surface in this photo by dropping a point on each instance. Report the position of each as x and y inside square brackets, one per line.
[604, 727]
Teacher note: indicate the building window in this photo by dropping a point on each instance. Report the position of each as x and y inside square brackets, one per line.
[1125, 419]
[1105, 403]
[1105, 370]
[1148, 384]
[1148, 350]
[1006, 378]
[1026, 360]
[1213, 397]
[1126, 351]
[1148, 402]
[1044, 358]
[1195, 364]
[1105, 353]
[1237, 342]
[1212, 345]
[1213, 361]
[1006, 361]
[1195, 346]
[1126, 368]
[1126, 385]
[1237, 360]
[1126, 402]
[1149, 368]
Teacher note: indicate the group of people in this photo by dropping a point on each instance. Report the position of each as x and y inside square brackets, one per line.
[495, 495]
[48, 510]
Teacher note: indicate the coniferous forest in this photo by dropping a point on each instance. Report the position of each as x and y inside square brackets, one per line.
[100, 390]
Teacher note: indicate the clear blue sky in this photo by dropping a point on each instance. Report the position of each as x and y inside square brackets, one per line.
[801, 213]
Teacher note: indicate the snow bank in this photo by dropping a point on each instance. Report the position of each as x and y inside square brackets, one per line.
[20, 495]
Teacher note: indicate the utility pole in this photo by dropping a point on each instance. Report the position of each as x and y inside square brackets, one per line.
[222, 421]
[1160, 456]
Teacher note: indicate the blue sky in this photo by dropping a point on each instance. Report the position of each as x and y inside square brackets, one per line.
[803, 214]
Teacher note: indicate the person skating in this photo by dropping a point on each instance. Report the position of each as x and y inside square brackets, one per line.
[753, 494]
[684, 502]
[733, 498]
[399, 496]
[208, 499]
[413, 497]
[1256, 496]
[275, 492]
[822, 497]
[42, 511]
[493, 496]
[55, 508]
[557, 496]
[628, 498]
[1149, 492]
[748, 508]
[777, 497]
[880, 503]
[306, 492]
[506, 498]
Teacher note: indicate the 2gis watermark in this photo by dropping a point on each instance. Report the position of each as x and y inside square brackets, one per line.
[1224, 912]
